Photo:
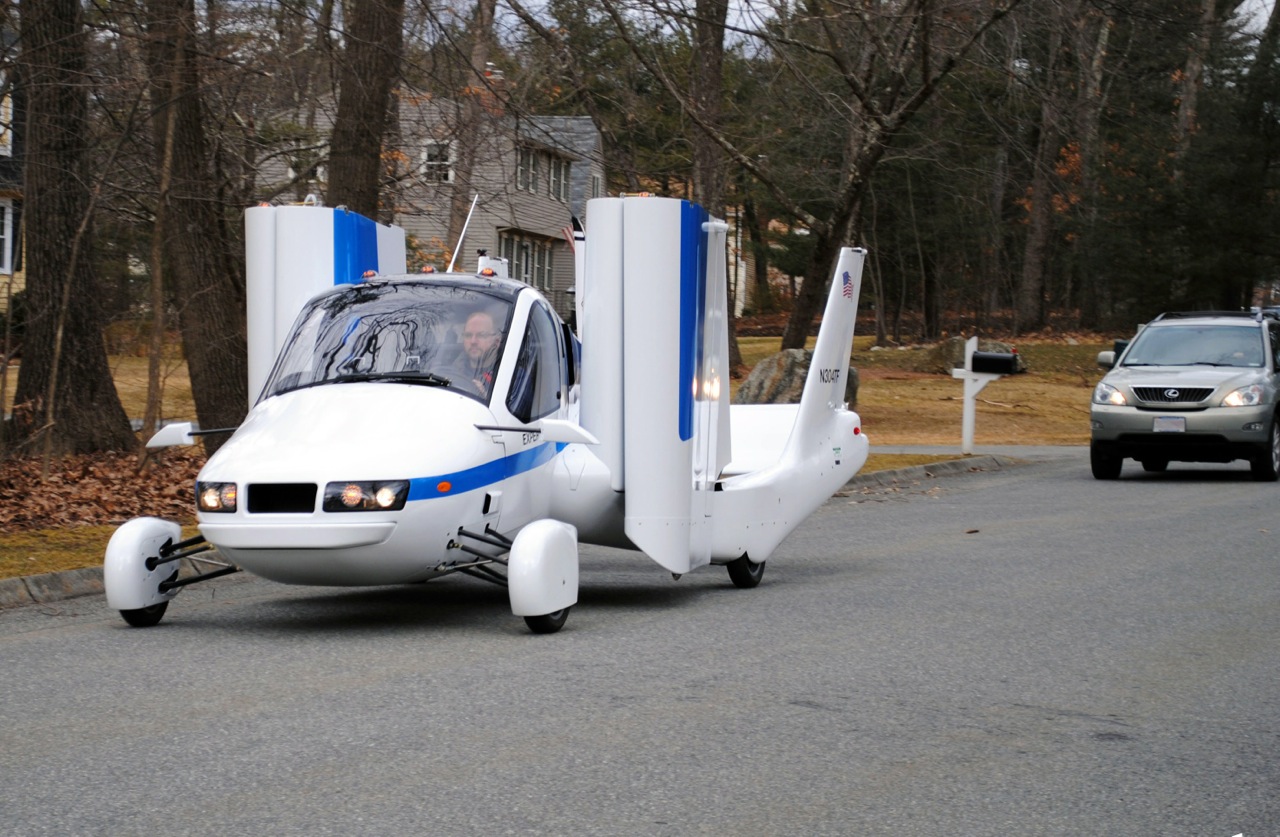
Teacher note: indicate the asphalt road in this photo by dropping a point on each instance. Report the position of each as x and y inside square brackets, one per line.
[1019, 652]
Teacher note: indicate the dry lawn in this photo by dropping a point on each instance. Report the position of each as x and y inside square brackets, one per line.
[901, 405]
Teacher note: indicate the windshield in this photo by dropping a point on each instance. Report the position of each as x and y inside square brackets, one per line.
[1197, 345]
[433, 335]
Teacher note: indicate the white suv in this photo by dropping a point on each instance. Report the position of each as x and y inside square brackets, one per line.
[1191, 387]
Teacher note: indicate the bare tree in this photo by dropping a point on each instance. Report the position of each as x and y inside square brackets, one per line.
[866, 68]
[371, 65]
[64, 384]
[201, 250]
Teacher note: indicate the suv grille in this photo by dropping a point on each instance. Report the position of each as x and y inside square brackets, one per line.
[1172, 395]
[282, 498]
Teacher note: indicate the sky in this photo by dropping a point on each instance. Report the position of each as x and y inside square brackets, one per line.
[1258, 10]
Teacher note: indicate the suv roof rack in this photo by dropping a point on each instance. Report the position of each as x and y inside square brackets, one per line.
[1253, 315]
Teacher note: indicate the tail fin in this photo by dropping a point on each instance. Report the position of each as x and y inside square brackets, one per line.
[825, 384]
[753, 511]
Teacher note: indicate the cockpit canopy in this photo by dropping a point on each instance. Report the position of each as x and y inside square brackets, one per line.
[434, 334]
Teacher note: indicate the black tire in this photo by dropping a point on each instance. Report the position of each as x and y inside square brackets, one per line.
[1105, 466]
[1265, 465]
[145, 617]
[1155, 466]
[548, 623]
[745, 573]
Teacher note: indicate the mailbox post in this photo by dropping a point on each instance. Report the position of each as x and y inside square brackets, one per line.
[980, 369]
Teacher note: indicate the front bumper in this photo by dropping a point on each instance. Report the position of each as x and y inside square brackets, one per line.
[1214, 434]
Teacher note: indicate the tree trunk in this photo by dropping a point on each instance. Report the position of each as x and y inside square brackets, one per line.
[1094, 290]
[1031, 288]
[466, 134]
[369, 71]
[1191, 82]
[706, 92]
[762, 301]
[202, 253]
[86, 411]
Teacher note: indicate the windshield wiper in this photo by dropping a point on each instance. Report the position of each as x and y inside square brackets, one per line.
[430, 379]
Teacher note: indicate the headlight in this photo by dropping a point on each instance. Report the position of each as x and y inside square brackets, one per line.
[216, 496]
[1104, 393]
[370, 495]
[1250, 396]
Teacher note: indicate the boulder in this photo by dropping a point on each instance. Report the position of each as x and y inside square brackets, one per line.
[779, 379]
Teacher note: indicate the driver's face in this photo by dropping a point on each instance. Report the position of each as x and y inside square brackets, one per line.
[479, 336]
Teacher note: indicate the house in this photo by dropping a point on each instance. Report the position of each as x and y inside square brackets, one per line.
[529, 176]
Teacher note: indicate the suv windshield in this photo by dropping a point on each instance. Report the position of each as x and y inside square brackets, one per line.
[1191, 345]
[396, 331]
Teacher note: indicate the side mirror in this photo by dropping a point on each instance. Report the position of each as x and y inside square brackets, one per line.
[1106, 360]
[559, 430]
[172, 434]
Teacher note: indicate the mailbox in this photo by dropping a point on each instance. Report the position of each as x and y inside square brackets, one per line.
[999, 363]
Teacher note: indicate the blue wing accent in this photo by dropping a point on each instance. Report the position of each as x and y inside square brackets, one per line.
[693, 294]
[355, 246]
[482, 476]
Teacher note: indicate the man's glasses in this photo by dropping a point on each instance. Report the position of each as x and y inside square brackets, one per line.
[478, 335]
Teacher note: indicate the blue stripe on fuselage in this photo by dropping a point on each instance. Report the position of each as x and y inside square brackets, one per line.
[481, 476]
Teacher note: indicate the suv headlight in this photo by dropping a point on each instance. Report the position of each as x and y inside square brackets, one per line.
[1250, 396]
[1104, 393]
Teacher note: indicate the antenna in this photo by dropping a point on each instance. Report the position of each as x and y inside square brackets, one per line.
[457, 247]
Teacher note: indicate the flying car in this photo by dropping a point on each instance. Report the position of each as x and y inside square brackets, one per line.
[414, 426]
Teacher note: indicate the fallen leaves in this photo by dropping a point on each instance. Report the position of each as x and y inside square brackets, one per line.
[98, 489]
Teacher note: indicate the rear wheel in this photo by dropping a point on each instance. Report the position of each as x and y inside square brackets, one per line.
[745, 573]
[1265, 465]
[1105, 465]
[145, 617]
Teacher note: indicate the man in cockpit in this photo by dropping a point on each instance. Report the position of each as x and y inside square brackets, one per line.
[474, 368]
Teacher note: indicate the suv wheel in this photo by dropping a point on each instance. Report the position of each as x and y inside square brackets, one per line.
[1265, 465]
[1106, 466]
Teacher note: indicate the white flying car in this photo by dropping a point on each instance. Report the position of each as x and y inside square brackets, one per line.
[416, 426]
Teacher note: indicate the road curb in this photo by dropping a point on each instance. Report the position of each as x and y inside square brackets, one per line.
[53, 587]
[963, 465]
[46, 588]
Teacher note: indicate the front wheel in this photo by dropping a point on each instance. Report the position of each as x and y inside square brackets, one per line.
[1105, 466]
[547, 623]
[145, 617]
[745, 573]
[1265, 465]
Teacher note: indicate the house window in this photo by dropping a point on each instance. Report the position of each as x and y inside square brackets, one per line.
[437, 164]
[530, 260]
[6, 237]
[524, 261]
[542, 268]
[559, 179]
[527, 170]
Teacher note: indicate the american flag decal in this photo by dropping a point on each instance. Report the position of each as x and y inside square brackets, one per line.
[847, 290]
